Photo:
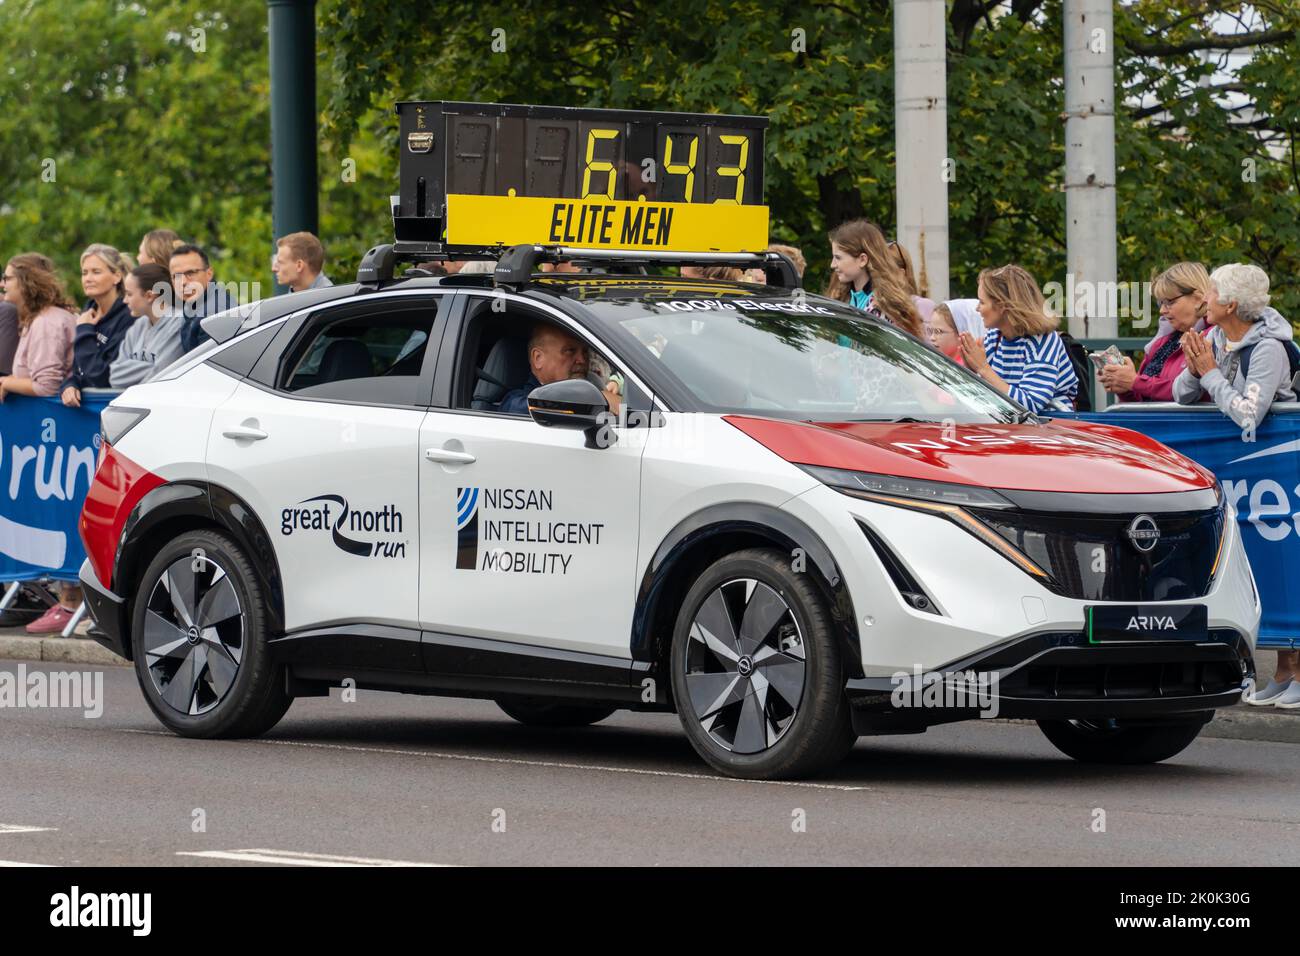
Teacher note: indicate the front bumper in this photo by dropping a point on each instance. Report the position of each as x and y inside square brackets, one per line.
[108, 611]
[1060, 676]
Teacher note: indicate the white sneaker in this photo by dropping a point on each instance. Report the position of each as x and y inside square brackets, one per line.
[1290, 699]
[1271, 692]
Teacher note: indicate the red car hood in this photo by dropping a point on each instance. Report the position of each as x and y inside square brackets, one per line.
[1067, 456]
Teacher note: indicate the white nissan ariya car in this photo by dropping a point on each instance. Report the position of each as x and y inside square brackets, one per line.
[804, 526]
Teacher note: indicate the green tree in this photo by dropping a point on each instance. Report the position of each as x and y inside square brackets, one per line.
[121, 117]
[822, 71]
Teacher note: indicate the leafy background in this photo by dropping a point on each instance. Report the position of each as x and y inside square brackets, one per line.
[146, 132]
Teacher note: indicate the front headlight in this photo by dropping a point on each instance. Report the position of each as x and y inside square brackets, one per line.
[937, 492]
[935, 497]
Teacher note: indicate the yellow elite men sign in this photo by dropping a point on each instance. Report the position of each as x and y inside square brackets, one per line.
[487, 175]
[601, 223]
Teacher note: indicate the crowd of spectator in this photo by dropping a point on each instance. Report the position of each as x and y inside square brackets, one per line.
[134, 321]
[1218, 340]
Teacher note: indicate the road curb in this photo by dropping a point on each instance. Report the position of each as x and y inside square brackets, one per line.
[1244, 722]
[59, 650]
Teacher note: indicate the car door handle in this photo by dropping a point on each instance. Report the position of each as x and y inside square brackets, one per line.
[447, 456]
[245, 433]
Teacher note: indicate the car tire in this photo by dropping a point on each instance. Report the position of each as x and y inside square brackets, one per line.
[1110, 741]
[199, 639]
[757, 674]
[542, 712]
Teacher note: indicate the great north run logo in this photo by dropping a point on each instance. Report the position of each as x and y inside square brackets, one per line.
[316, 514]
[467, 528]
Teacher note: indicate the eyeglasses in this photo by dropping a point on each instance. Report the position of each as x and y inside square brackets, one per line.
[1166, 303]
[189, 273]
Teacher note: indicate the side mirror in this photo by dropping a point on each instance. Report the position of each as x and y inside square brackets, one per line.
[573, 403]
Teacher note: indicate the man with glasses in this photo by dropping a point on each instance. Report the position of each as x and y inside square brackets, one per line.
[199, 295]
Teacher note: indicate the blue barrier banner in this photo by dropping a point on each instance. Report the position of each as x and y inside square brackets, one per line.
[1262, 483]
[47, 461]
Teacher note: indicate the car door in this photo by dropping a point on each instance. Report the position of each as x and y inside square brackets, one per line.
[527, 535]
[325, 449]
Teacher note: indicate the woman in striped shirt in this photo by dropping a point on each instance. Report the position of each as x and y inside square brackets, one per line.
[1021, 355]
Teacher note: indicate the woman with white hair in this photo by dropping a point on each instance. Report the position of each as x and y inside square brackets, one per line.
[1245, 364]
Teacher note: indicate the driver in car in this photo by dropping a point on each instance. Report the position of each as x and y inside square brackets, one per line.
[553, 356]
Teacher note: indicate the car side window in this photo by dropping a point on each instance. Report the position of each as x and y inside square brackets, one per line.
[372, 353]
[494, 362]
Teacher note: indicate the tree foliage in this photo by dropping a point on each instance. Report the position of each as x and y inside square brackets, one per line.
[823, 73]
[145, 131]
[121, 117]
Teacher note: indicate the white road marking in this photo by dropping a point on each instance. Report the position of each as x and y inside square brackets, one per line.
[18, 863]
[299, 858]
[19, 828]
[518, 761]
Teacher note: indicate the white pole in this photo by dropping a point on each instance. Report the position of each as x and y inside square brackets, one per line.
[922, 167]
[1090, 169]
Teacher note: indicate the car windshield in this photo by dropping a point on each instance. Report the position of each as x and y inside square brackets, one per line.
[810, 359]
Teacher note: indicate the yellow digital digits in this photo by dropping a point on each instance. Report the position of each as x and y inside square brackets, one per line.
[687, 168]
[594, 167]
[739, 169]
[598, 165]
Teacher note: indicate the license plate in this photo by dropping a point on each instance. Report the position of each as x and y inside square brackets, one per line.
[1114, 623]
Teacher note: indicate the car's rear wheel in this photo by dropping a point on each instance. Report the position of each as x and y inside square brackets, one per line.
[756, 670]
[1113, 741]
[199, 641]
[541, 712]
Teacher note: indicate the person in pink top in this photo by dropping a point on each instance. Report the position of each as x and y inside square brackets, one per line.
[46, 327]
[1182, 291]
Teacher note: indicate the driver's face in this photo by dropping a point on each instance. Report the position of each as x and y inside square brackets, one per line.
[558, 356]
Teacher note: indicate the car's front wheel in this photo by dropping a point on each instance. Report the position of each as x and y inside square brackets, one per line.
[199, 639]
[756, 670]
[1114, 741]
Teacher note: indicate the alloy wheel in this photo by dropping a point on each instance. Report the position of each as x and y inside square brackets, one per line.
[193, 634]
[745, 666]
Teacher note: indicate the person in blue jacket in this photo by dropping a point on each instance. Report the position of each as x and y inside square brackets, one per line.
[102, 323]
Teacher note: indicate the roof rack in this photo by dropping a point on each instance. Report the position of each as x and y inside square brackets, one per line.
[516, 265]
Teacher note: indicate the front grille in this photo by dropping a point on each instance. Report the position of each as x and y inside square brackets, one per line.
[1119, 681]
[1090, 556]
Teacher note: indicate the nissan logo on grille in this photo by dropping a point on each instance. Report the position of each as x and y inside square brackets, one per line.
[1144, 533]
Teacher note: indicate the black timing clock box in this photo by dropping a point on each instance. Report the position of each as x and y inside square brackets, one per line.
[500, 149]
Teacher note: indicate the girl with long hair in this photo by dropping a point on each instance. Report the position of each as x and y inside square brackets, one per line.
[864, 274]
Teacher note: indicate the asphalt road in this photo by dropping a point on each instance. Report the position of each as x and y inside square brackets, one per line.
[438, 781]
